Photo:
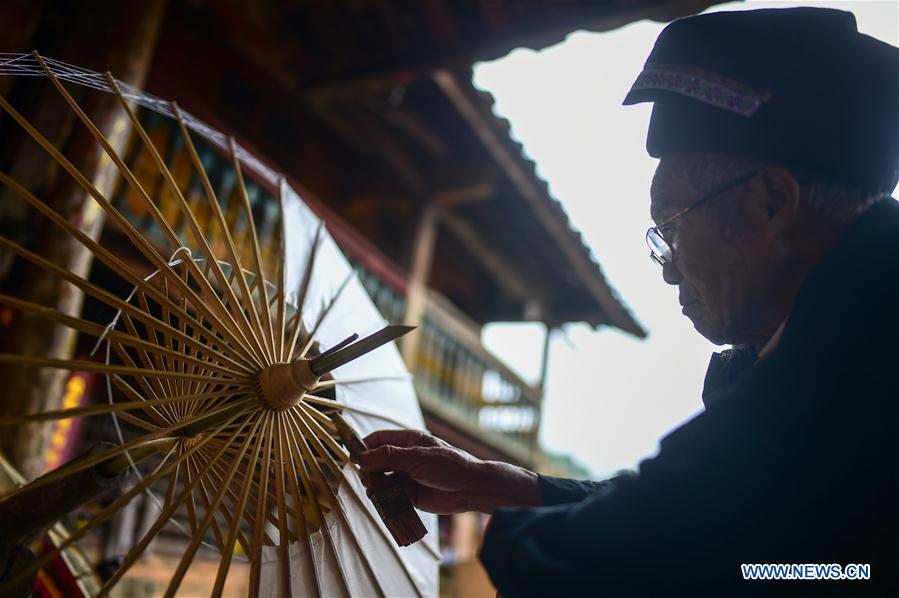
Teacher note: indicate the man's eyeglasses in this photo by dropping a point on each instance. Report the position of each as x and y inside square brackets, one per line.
[659, 249]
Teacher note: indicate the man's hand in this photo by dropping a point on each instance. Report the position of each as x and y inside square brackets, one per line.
[441, 478]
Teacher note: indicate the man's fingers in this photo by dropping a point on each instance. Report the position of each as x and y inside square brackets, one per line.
[401, 438]
[390, 458]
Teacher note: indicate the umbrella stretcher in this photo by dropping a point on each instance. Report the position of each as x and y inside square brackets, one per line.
[245, 390]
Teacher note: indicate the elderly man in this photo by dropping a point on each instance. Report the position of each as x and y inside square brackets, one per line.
[778, 138]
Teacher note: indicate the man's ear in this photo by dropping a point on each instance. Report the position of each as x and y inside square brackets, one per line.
[781, 198]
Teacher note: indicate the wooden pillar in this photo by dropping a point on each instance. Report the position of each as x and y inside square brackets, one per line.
[544, 361]
[541, 386]
[101, 35]
[417, 291]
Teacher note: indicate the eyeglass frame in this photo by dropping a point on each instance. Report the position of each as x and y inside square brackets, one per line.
[661, 260]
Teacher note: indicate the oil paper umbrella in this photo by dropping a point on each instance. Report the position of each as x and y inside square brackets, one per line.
[233, 372]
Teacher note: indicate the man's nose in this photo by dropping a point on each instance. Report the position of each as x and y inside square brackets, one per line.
[671, 274]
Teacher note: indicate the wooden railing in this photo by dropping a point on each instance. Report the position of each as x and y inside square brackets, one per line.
[461, 381]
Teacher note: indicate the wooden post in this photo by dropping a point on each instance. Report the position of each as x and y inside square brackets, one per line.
[544, 361]
[417, 293]
[541, 385]
[122, 39]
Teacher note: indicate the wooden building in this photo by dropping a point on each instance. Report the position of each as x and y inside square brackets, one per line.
[369, 110]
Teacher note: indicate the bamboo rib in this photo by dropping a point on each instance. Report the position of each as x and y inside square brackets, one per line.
[90, 461]
[100, 294]
[297, 420]
[110, 151]
[220, 218]
[107, 512]
[147, 360]
[166, 412]
[92, 366]
[306, 455]
[192, 223]
[234, 528]
[165, 458]
[162, 416]
[255, 485]
[188, 386]
[257, 253]
[192, 349]
[148, 385]
[195, 469]
[193, 408]
[188, 350]
[281, 327]
[322, 401]
[173, 485]
[173, 364]
[308, 398]
[293, 489]
[183, 206]
[138, 549]
[324, 314]
[323, 434]
[192, 521]
[274, 298]
[196, 386]
[191, 550]
[170, 491]
[261, 510]
[133, 235]
[217, 470]
[96, 330]
[283, 542]
[219, 392]
[341, 475]
[303, 292]
[300, 500]
[181, 366]
[138, 422]
[301, 497]
[189, 217]
[174, 389]
[201, 386]
[116, 264]
[104, 409]
[326, 384]
[293, 477]
[321, 417]
[299, 458]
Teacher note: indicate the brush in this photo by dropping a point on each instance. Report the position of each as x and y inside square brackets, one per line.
[384, 491]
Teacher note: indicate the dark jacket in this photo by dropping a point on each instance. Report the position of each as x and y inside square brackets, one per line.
[792, 461]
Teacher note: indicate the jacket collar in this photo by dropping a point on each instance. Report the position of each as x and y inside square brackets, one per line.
[728, 366]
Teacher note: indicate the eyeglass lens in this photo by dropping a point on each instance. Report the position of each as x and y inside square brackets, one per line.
[661, 251]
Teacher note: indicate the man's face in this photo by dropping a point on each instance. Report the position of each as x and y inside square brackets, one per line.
[721, 269]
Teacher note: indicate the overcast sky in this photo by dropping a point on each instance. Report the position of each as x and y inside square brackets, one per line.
[610, 397]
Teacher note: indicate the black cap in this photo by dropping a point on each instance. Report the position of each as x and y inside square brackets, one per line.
[800, 87]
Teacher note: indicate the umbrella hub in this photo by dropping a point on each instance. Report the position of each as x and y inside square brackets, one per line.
[282, 385]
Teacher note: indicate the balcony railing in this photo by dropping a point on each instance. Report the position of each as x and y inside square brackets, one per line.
[459, 380]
